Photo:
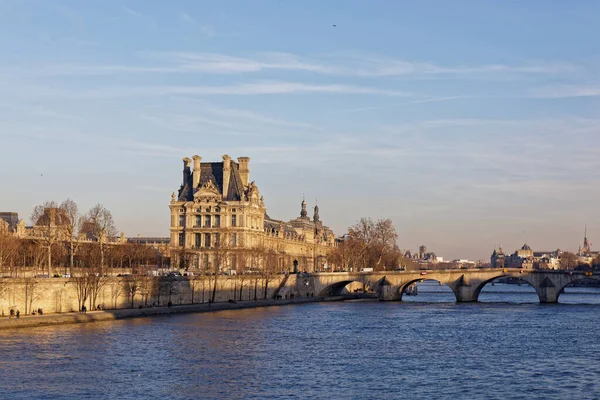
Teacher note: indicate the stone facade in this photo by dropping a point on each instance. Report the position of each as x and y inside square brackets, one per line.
[58, 295]
[218, 212]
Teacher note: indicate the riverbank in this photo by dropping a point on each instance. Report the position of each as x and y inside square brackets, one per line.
[31, 321]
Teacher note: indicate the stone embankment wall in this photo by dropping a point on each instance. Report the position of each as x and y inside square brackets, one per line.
[56, 295]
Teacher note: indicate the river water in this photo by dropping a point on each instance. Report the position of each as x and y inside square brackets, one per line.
[507, 346]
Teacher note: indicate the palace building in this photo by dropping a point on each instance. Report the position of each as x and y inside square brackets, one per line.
[219, 219]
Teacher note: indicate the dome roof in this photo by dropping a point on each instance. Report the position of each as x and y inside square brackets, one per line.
[525, 247]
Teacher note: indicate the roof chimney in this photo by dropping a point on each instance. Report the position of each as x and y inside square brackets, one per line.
[244, 170]
[226, 174]
[196, 174]
[186, 170]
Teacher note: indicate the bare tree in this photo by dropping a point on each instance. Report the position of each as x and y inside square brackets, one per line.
[132, 285]
[146, 285]
[568, 260]
[96, 281]
[47, 218]
[116, 290]
[372, 244]
[73, 223]
[9, 250]
[221, 253]
[169, 287]
[79, 279]
[33, 291]
[269, 270]
[385, 241]
[241, 271]
[92, 272]
[256, 257]
[103, 226]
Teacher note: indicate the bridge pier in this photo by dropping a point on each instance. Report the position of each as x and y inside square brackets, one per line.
[464, 290]
[389, 292]
[465, 294]
[548, 295]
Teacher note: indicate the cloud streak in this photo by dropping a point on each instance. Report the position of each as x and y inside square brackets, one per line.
[365, 66]
[566, 91]
[248, 89]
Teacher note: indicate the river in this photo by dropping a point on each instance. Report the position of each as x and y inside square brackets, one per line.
[506, 346]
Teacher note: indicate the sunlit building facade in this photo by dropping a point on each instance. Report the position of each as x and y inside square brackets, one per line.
[218, 210]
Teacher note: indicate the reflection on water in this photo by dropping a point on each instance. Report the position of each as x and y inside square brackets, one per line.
[350, 350]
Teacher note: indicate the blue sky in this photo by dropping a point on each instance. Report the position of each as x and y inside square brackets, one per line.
[471, 124]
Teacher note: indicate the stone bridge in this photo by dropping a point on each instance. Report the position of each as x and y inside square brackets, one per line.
[465, 283]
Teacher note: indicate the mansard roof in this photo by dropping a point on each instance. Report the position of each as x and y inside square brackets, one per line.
[213, 172]
[275, 225]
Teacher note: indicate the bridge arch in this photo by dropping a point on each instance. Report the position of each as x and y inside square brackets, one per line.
[561, 289]
[480, 286]
[337, 288]
[403, 287]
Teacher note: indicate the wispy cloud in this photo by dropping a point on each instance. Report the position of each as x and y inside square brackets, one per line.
[427, 100]
[564, 91]
[202, 62]
[208, 30]
[132, 12]
[139, 15]
[260, 88]
[186, 17]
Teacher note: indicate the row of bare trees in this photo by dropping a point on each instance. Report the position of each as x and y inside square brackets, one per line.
[17, 255]
[62, 223]
[369, 244]
[62, 237]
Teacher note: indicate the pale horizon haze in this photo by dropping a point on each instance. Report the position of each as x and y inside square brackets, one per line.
[470, 124]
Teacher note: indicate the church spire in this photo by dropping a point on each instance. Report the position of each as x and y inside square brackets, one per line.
[587, 246]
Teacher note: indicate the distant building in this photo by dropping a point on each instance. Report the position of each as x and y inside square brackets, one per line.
[463, 263]
[498, 258]
[525, 258]
[547, 259]
[422, 256]
[11, 219]
[522, 258]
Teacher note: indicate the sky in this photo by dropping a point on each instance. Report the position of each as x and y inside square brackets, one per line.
[470, 124]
